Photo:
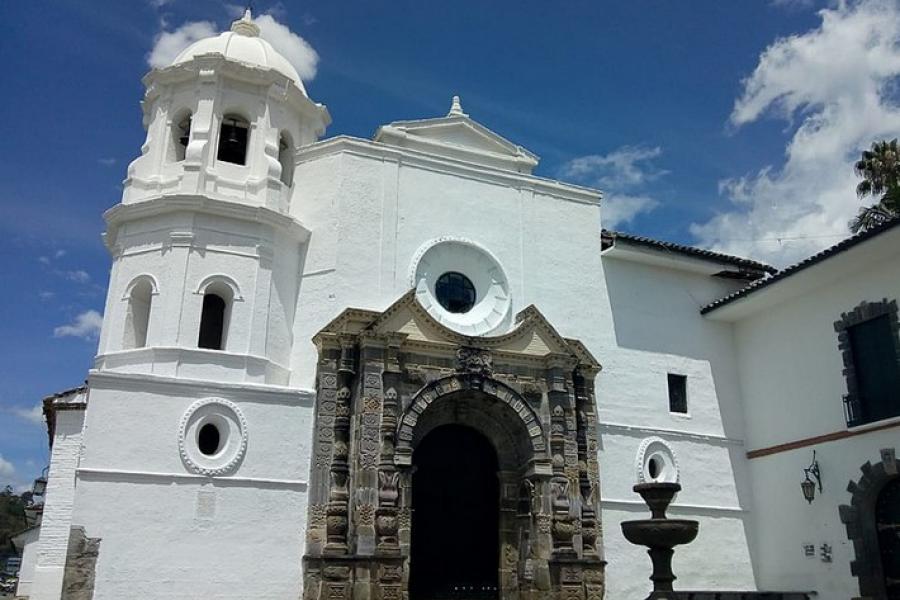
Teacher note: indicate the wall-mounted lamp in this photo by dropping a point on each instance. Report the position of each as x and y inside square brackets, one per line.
[40, 484]
[807, 485]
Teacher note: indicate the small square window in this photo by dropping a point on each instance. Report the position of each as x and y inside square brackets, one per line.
[677, 393]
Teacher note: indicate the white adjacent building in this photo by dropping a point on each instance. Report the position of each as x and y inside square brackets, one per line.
[264, 277]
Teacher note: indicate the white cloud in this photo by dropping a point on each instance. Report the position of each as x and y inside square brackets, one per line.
[839, 80]
[86, 326]
[35, 414]
[293, 47]
[59, 254]
[618, 174]
[621, 209]
[106, 162]
[78, 276]
[793, 4]
[6, 468]
[168, 44]
[46, 295]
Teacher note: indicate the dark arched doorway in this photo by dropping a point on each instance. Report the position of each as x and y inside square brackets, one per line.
[887, 523]
[455, 502]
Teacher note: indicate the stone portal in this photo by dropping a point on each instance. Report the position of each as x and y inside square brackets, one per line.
[398, 390]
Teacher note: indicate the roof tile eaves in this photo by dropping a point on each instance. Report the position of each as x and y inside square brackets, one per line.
[803, 264]
[691, 251]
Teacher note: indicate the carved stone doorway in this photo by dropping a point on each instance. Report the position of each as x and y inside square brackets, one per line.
[387, 382]
[455, 501]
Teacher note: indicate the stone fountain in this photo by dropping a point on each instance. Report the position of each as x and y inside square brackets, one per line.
[658, 533]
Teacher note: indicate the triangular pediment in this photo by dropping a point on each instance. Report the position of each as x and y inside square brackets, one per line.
[408, 322]
[459, 137]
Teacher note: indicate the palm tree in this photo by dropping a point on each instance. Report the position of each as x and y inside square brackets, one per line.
[880, 169]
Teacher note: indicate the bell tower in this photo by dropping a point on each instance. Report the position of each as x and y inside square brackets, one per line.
[205, 252]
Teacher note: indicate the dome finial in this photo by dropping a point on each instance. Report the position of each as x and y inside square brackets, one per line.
[456, 108]
[245, 25]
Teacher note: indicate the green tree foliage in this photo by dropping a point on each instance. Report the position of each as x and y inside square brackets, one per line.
[12, 518]
[879, 168]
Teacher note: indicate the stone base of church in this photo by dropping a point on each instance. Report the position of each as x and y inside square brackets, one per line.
[386, 578]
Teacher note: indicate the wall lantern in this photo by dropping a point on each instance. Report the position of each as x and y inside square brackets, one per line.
[807, 485]
[40, 484]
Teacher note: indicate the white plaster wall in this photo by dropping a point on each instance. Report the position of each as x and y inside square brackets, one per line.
[170, 533]
[29, 559]
[792, 382]
[261, 262]
[650, 321]
[166, 538]
[785, 521]
[369, 215]
[58, 505]
[789, 354]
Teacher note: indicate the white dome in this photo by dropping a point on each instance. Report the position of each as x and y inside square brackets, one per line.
[242, 44]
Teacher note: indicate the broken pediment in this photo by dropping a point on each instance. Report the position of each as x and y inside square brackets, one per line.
[458, 137]
[407, 322]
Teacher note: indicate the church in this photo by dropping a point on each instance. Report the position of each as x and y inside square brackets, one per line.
[406, 367]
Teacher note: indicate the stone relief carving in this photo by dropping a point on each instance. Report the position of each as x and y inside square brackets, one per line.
[474, 360]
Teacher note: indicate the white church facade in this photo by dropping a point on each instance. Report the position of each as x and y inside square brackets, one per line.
[312, 346]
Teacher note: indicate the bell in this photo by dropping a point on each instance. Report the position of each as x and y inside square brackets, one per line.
[232, 135]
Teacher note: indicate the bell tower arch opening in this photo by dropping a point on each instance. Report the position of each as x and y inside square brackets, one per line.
[455, 501]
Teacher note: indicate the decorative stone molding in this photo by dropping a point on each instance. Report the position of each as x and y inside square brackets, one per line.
[864, 312]
[232, 426]
[656, 449]
[460, 383]
[859, 519]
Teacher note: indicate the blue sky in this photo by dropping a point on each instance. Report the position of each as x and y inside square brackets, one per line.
[731, 125]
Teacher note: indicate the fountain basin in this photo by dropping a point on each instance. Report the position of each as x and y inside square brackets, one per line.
[660, 533]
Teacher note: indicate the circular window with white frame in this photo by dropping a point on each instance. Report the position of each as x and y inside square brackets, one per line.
[212, 437]
[461, 285]
[655, 462]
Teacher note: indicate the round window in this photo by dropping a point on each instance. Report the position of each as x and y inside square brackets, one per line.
[455, 292]
[655, 461]
[462, 286]
[212, 437]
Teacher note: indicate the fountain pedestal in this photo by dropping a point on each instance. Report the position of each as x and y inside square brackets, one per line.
[659, 533]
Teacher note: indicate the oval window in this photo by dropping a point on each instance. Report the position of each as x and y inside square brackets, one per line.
[455, 292]
[208, 439]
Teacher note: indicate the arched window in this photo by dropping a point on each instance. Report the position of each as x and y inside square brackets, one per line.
[215, 315]
[286, 158]
[137, 319]
[181, 135]
[233, 137]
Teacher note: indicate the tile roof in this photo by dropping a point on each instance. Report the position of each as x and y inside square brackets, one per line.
[804, 264]
[609, 238]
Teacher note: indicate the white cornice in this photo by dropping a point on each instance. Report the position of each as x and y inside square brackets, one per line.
[486, 173]
[158, 205]
[239, 391]
[643, 431]
[155, 478]
[213, 66]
